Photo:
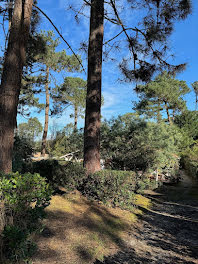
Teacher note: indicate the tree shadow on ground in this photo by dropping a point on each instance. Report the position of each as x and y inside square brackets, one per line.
[157, 238]
[61, 224]
[170, 240]
[130, 257]
[169, 233]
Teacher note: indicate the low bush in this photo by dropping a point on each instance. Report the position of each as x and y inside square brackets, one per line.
[24, 198]
[66, 174]
[17, 246]
[22, 151]
[111, 187]
[191, 166]
[189, 160]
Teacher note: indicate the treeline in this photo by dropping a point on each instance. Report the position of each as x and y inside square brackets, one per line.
[29, 62]
[146, 43]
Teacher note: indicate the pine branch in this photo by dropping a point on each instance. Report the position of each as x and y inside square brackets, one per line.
[125, 31]
[69, 46]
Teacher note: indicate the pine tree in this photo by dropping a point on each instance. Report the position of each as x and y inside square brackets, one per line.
[71, 93]
[195, 88]
[51, 60]
[147, 42]
[14, 62]
[165, 93]
[30, 130]
[93, 98]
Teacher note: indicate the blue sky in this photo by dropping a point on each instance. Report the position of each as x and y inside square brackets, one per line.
[118, 96]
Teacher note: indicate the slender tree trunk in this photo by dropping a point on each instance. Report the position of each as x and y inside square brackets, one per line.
[196, 102]
[14, 61]
[10, 13]
[168, 114]
[174, 114]
[159, 117]
[45, 130]
[93, 99]
[75, 117]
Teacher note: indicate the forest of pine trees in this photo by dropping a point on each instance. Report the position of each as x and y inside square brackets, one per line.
[52, 82]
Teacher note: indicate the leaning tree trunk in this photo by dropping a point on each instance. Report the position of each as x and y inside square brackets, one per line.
[93, 99]
[14, 61]
[44, 139]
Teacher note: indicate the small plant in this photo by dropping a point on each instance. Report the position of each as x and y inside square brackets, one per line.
[16, 244]
[24, 198]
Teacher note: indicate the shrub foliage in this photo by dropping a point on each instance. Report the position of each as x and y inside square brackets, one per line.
[113, 187]
[24, 198]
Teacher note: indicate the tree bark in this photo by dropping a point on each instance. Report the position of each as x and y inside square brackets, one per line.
[75, 117]
[14, 61]
[93, 98]
[44, 139]
[10, 13]
[168, 114]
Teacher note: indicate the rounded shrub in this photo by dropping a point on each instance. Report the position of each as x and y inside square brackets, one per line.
[112, 187]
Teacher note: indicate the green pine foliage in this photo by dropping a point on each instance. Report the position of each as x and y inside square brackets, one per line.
[188, 123]
[140, 145]
[71, 93]
[65, 143]
[195, 88]
[163, 95]
[30, 130]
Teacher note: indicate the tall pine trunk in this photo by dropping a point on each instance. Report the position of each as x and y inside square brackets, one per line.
[75, 117]
[45, 130]
[14, 61]
[93, 98]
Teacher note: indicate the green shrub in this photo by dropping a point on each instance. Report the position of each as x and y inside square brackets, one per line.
[145, 184]
[50, 169]
[16, 244]
[111, 187]
[74, 175]
[189, 160]
[24, 198]
[66, 174]
[19, 191]
[191, 166]
[22, 151]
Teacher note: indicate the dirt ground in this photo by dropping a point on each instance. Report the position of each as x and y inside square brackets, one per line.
[167, 232]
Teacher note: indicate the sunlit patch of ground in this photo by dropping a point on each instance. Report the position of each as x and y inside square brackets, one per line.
[80, 231]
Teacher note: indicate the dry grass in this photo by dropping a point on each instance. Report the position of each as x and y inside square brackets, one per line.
[80, 231]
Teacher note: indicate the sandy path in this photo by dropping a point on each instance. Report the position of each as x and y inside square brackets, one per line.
[169, 232]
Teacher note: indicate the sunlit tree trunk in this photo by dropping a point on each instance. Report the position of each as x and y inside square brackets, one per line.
[45, 130]
[93, 99]
[14, 61]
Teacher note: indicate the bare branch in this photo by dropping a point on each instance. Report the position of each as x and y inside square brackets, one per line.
[69, 46]
[119, 35]
[125, 31]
